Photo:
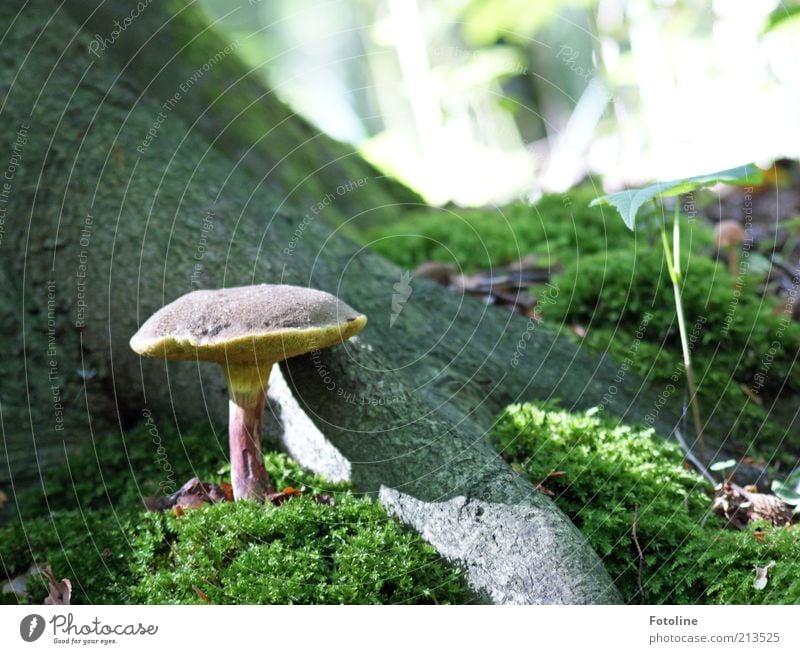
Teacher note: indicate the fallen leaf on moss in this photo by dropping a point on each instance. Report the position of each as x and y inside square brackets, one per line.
[60, 592]
[178, 511]
[760, 582]
[227, 489]
[289, 492]
[202, 595]
[550, 475]
[759, 536]
[192, 494]
[279, 498]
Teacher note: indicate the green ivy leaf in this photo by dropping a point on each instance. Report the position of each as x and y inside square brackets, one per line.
[781, 16]
[629, 202]
[786, 493]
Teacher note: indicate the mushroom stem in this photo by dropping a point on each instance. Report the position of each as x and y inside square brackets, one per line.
[733, 260]
[249, 477]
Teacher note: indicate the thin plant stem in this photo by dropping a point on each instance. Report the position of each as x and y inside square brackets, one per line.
[673, 265]
[676, 238]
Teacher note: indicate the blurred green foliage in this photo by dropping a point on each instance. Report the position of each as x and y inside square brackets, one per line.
[487, 21]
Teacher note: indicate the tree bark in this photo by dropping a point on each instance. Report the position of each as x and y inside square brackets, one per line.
[97, 235]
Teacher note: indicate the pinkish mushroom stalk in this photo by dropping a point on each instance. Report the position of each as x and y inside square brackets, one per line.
[246, 401]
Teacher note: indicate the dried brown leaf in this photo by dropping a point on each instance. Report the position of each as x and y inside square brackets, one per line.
[191, 495]
[202, 595]
[227, 489]
[60, 592]
[279, 498]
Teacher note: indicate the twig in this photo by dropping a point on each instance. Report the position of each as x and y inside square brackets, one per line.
[692, 458]
[639, 550]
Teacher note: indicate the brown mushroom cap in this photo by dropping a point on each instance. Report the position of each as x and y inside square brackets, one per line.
[729, 233]
[247, 325]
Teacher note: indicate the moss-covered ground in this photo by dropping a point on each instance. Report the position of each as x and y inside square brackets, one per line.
[613, 474]
[89, 525]
[613, 287]
[615, 298]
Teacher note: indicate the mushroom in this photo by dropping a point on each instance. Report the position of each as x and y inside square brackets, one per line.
[729, 234]
[246, 330]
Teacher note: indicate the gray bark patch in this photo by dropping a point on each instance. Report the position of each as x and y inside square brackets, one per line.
[510, 552]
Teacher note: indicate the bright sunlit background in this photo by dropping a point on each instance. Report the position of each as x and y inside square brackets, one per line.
[484, 101]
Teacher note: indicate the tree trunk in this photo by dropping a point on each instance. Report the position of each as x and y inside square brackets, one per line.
[96, 235]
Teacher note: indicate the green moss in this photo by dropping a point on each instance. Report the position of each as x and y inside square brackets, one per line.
[736, 325]
[301, 552]
[738, 338]
[90, 528]
[235, 553]
[557, 228]
[91, 549]
[730, 581]
[613, 471]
